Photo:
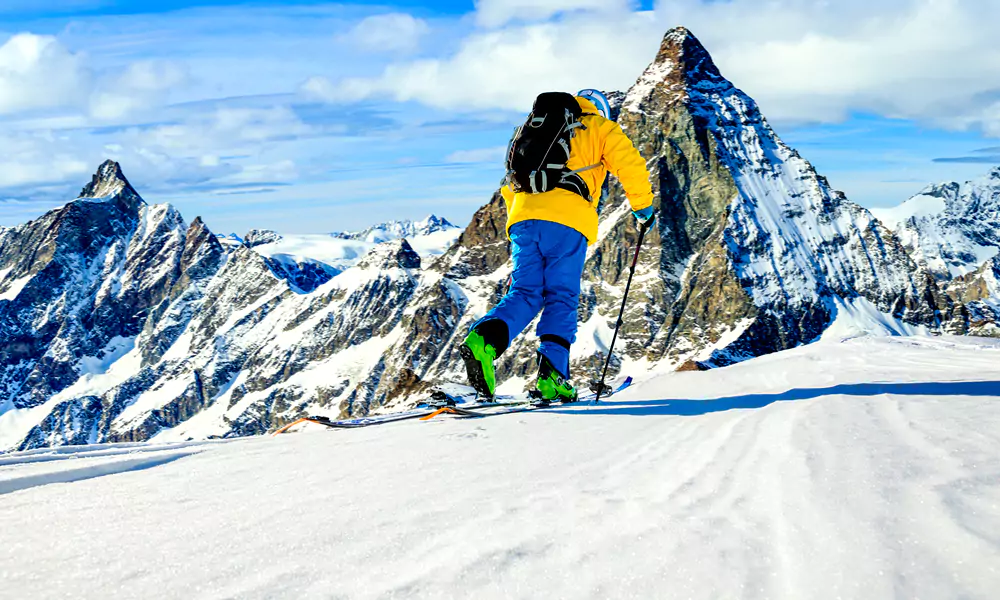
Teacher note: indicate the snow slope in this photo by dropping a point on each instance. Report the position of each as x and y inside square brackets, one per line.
[863, 469]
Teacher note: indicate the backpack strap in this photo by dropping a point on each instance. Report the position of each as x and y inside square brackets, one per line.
[593, 166]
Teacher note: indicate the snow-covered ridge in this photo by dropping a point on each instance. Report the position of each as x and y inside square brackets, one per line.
[950, 228]
[394, 230]
[428, 237]
[341, 254]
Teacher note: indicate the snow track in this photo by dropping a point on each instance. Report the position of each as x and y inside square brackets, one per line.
[863, 469]
[88, 469]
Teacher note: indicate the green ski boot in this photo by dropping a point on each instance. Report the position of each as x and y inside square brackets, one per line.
[479, 357]
[551, 386]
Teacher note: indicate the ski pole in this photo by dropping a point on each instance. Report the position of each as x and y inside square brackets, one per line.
[618, 324]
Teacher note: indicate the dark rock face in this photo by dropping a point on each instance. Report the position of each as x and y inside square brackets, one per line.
[391, 255]
[303, 276]
[483, 247]
[975, 298]
[259, 237]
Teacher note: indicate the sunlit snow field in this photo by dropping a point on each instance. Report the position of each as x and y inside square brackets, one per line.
[861, 469]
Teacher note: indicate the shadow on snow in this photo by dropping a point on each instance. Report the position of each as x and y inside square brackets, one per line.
[701, 407]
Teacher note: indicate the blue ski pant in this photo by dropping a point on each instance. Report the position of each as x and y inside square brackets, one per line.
[548, 265]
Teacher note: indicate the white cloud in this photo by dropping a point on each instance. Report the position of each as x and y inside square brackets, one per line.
[478, 155]
[143, 85]
[494, 13]
[37, 72]
[321, 88]
[922, 59]
[935, 61]
[32, 159]
[183, 153]
[391, 32]
[225, 130]
[507, 68]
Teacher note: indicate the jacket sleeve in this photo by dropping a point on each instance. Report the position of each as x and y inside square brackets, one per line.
[624, 162]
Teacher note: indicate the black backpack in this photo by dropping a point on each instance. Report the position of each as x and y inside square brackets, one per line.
[538, 152]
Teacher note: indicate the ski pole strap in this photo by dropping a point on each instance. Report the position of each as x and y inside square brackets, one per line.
[555, 339]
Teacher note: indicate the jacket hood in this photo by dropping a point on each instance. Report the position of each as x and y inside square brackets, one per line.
[586, 105]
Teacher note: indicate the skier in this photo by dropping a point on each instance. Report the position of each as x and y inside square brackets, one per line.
[551, 219]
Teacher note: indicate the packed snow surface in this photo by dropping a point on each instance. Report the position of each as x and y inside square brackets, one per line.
[868, 468]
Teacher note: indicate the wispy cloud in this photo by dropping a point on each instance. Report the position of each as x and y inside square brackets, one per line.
[390, 32]
[495, 13]
[492, 155]
[984, 159]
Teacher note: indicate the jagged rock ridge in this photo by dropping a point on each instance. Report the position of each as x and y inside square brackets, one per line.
[951, 228]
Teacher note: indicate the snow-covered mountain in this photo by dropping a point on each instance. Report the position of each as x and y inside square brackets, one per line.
[952, 228]
[123, 322]
[756, 252]
[307, 261]
[394, 230]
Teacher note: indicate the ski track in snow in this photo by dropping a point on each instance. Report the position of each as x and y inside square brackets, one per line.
[85, 468]
[863, 469]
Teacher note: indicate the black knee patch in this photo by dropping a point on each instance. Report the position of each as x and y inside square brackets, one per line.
[555, 339]
[496, 333]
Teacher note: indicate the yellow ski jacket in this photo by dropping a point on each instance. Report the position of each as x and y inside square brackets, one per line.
[604, 142]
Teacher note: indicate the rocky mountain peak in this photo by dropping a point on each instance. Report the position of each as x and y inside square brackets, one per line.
[396, 254]
[691, 60]
[682, 63]
[107, 182]
[432, 224]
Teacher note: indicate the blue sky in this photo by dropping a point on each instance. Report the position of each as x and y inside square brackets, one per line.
[311, 116]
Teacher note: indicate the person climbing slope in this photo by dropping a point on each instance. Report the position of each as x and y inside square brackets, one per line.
[556, 165]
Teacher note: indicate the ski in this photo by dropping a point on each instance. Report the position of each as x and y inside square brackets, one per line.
[358, 422]
[453, 399]
[483, 409]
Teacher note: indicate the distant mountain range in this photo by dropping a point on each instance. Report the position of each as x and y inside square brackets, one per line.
[310, 260]
[120, 320]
